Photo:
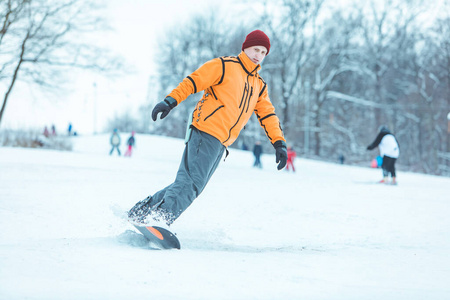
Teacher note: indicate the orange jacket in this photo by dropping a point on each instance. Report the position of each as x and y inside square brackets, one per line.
[232, 89]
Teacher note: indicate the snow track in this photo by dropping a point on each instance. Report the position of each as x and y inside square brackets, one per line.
[252, 234]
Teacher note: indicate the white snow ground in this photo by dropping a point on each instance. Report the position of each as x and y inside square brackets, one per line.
[321, 233]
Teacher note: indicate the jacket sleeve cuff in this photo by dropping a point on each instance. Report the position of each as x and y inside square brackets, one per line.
[171, 101]
[279, 143]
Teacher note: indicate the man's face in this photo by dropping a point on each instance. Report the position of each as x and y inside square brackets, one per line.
[256, 53]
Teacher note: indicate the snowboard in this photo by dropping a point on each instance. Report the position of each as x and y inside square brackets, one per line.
[160, 237]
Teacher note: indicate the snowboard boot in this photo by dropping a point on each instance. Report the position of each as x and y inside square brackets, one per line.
[140, 210]
[143, 213]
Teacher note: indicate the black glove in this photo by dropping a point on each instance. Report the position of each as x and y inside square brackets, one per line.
[281, 154]
[163, 107]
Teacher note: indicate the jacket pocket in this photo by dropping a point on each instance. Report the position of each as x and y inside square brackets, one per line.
[216, 110]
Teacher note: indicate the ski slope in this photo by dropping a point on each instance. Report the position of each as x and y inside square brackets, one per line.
[323, 232]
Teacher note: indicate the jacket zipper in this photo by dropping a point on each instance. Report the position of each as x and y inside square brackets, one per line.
[246, 97]
[248, 102]
[213, 112]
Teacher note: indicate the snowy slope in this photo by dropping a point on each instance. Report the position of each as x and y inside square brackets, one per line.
[321, 233]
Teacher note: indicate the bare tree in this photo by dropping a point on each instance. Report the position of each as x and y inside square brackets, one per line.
[440, 41]
[184, 49]
[291, 36]
[41, 40]
[385, 28]
[340, 74]
[428, 99]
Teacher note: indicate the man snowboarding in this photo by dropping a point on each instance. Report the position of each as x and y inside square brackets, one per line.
[233, 90]
[389, 151]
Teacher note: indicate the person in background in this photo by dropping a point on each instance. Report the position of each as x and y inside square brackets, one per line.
[69, 129]
[130, 142]
[374, 163]
[115, 142]
[389, 151]
[341, 159]
[291, 156]
[379, 161]
[46, 132]
[257, 151]
[233, 91]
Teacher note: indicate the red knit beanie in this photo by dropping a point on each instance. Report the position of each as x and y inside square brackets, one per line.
[257, 38]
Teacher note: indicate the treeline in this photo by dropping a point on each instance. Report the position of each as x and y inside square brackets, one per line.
[334, 75]
[42, 42]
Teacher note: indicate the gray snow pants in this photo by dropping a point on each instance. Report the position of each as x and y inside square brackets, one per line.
[201, 157]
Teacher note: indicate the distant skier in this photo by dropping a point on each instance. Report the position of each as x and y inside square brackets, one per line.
[115, 142]
[46, 132]
[233, 91]
[69, 129]
[291, 157]
[389, 151]
[257, 151]
[130, 142]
